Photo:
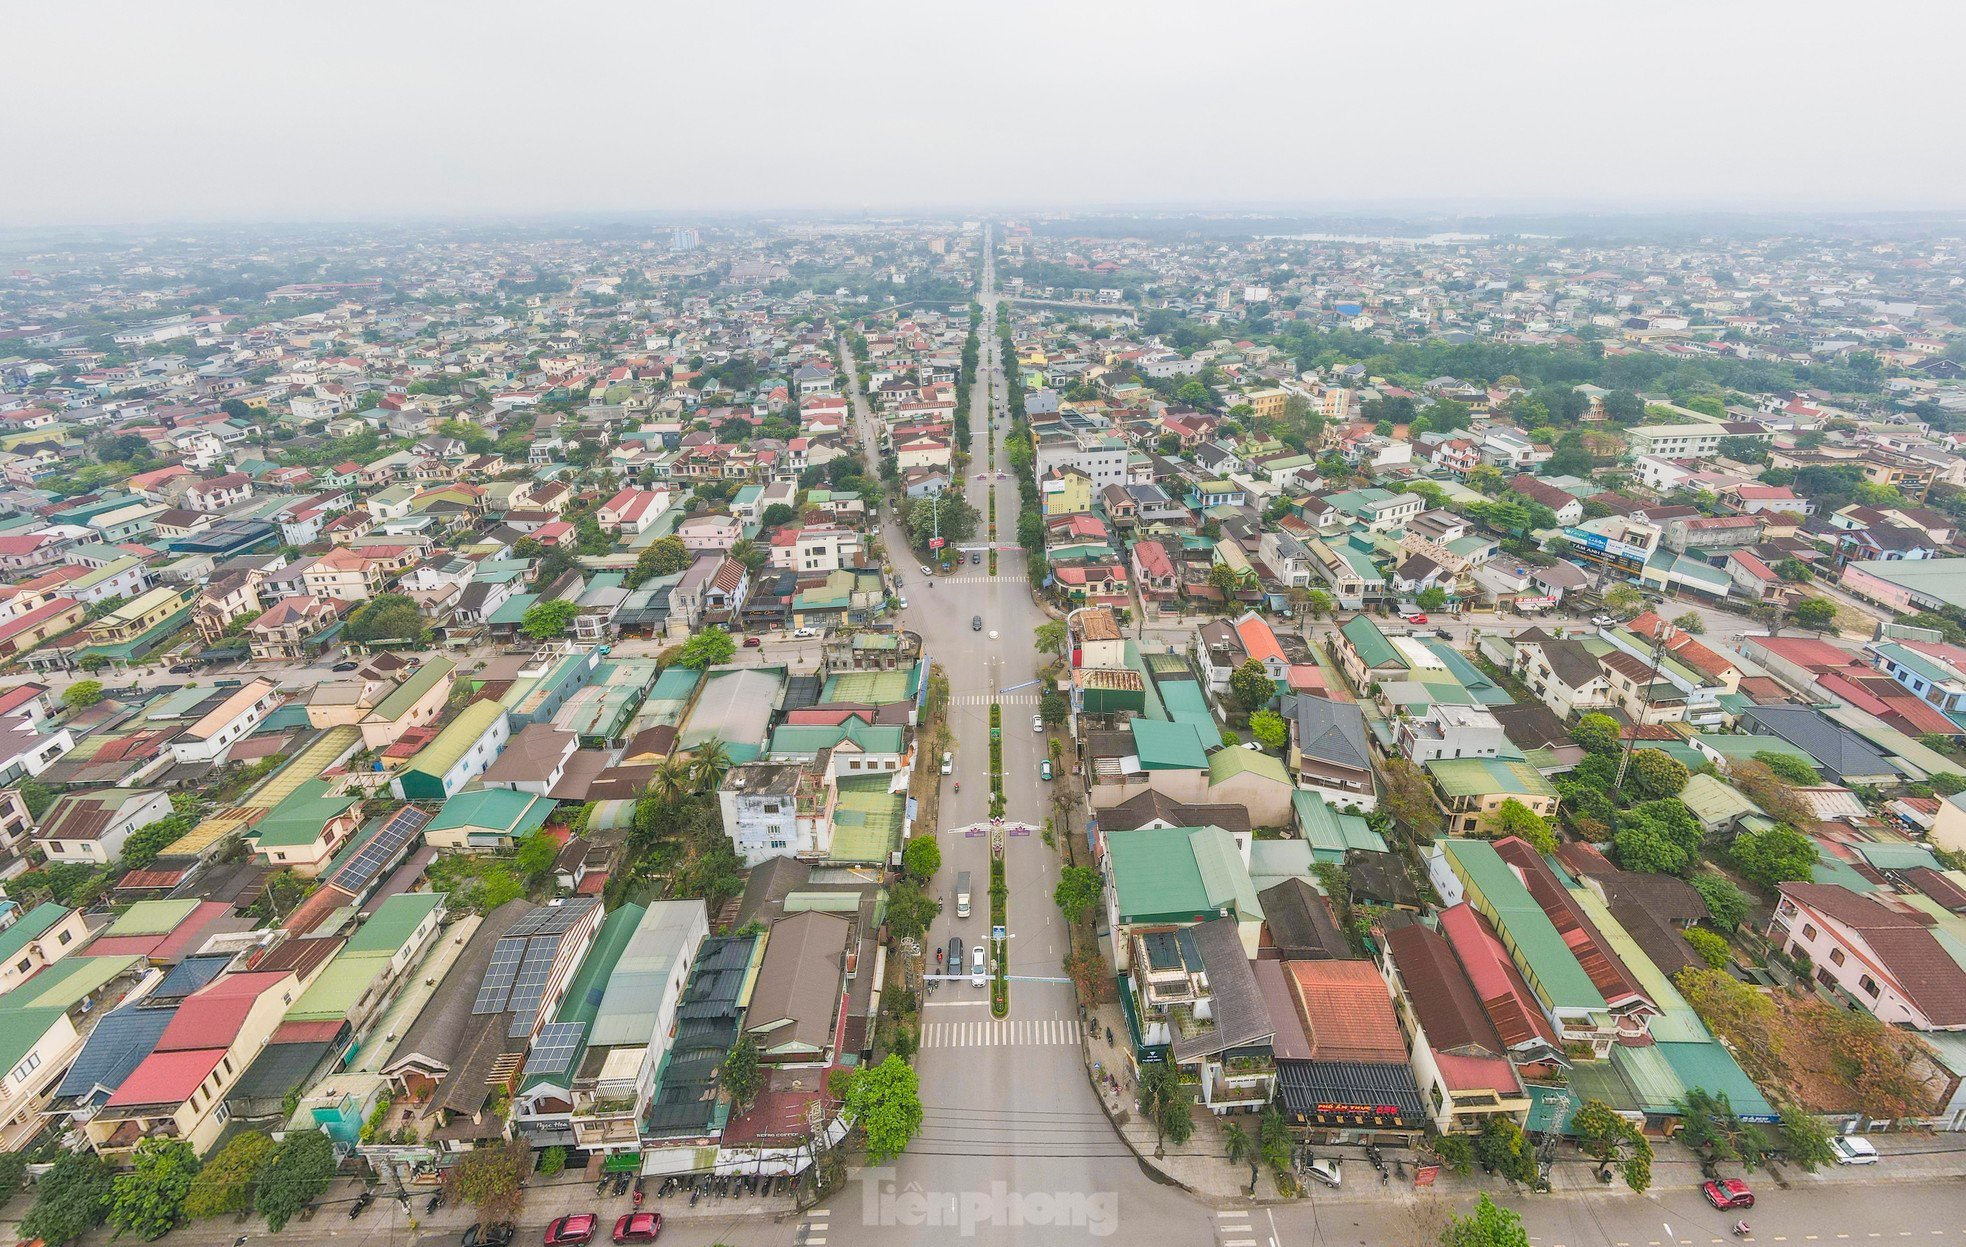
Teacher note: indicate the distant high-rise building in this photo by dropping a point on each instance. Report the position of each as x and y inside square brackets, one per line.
[684, 239]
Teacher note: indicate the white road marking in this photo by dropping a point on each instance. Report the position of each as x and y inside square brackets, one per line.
[1009, 1033]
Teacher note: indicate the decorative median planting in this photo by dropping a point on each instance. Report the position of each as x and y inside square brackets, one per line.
[999, 887]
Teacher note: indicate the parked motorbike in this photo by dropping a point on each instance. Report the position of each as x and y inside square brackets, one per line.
[362, 1201]
[436, 1202]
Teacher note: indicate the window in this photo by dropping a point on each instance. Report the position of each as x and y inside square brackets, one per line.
[1808, 931]
[64, 937]
[25, 964]
[32, 1063]
[1836, 956]
[1869, 985]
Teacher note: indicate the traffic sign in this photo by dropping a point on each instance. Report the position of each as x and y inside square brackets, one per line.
[935, 543]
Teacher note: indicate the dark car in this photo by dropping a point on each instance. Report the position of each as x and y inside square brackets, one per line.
[182, 668]
[347, 666]
[489, 1234]
[638, 1227]
[976, 623]
[566, 1231]
[955, 955]
[975, 558]
[1727, 1193]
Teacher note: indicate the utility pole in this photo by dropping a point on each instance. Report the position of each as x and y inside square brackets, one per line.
[1659, 640]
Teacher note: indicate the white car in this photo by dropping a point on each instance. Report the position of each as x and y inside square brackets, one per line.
[948, 763]
[1853, 1149]
[1602, 621]
[925, 570]
[806, 633]
[976, 967]
[1037, 723]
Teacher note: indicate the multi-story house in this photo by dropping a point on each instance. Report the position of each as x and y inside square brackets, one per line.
[1882, 956]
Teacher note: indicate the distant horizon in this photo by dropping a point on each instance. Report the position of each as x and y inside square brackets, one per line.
[154, 117]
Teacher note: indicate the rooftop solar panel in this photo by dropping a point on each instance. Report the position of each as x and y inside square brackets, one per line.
[361, 870]
[504, 968]
[553, 1052]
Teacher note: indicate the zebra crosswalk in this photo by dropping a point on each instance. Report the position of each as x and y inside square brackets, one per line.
[983, 578]
[1007, 1033]
[990, 699]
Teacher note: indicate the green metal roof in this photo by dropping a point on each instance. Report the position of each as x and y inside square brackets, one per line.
[867, 819]
[1374, 649]
[21, 1029]
[441, 754]
[492, 809]
[1226, 764]
[151, 917]
[32, 924]
[64, 984]
[1329, 833]
[1531, 936]
[299, 819]
[807, 739]
[1168, 746]
[390, 926]
[1715, 804]
[1480, 777]
[1179, 874]
[339, 986]
[410, 691]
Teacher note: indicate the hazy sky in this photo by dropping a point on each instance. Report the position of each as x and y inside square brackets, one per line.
[137, 112]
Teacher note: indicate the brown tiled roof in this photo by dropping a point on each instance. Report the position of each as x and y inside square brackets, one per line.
[1347, 1011]
[1443, 1000]
[1904, 948]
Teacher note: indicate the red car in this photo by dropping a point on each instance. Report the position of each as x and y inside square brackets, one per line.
[1728, 1193]
[1415, 619]
[752, 642]
[638, 1227]
[566, 1231]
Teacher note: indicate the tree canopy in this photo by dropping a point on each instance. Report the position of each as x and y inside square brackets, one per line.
[885, 1102]
[1077, 892]
[385, 617]
[149, 1200]
[301, 1169]
[227, 1181]
[707, 648]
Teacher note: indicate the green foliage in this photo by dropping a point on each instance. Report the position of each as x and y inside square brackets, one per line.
[491, 1179]
[664, 556]
[1502, 1146]
[147, 841]
[1805, 1138]
[1661, 836]
[1252, 686]
[554, 1159]
[385, 617]
[1166, 1103]
[70, 1199]
[1655, 773]
[885, 1102]
[82, 694]
[910, 909]
[545, 620]
[299, 1170]
[1727, 905]
[537, 851]
[13, 1174]
[1077, 892]
[1487, 1225]
[1709, 1125]
[1776, 855]
[1513, 818]
[1053, 708]
[1788, 767]
[921, 857]
[149, 1200]
[474, 882]
[1270, 729]
[36, 795]
[740, 1074]
[1712, 948]
[1456, 1152]
[1597, 733]
[707, 648]
[1431, 598]
[1817, 614]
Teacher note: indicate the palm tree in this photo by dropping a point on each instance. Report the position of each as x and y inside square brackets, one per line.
[1237, 1144]
[671, 779]
[709, 763]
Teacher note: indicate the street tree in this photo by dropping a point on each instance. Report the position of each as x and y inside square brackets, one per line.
[300, 1170]
[1053, 708]
[1487, 1225]
[491, 1179]
[1077, 892]
[227, 1181]
[885, 1102]
[707, 648]
[1166, 1104]
[921, 857]
[1050, 637]
[70, 1199]
[149, 1200]
[910, 909]
[82, 694]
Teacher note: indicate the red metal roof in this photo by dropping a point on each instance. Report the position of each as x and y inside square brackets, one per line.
[166, 1077]
[213, 1016]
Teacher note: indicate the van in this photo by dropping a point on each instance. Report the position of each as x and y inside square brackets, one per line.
[962, 894]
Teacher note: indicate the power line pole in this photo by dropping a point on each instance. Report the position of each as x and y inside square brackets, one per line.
[1659, 640]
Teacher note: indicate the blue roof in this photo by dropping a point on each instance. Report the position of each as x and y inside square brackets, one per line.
[118, 1044]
